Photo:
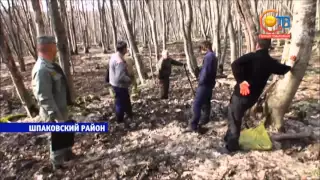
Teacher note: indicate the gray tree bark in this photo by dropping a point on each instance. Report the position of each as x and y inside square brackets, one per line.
[7, 59]
[134, 49]
[62, 43]
[303, 25]
[186, 29]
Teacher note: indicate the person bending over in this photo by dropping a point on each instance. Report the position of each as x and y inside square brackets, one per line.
[251, 72]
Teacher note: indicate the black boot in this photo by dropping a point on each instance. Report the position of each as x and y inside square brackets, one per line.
[232, 144]
[226, 136]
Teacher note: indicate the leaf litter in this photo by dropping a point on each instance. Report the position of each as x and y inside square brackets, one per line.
[156, 146]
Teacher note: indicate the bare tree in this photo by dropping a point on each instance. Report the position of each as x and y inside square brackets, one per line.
[153, 29]
[226, 23]
[64, 55]
[14, 32]
[28, 27]
[303, 32]
[114, 29]
[84, 27]
[232, 37]
[246, 17]
[73, 30]
[38, 16]
[7, 59]
[133, 45]
[164, 25]
[216, 29]
[186, 29]
[254, 9]
[103, 23]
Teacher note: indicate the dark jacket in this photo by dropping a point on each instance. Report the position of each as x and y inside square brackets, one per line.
[256, 68]
[165, 66]
[208, 73]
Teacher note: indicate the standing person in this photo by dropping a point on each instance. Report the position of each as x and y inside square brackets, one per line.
[207, 81]
[164, 67]
[50, 89]
[251, 72]
[120, 82]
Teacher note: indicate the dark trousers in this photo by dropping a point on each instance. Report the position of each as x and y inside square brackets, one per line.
[122, 103]
[164, 83]
[201, 101]
[62, 140]
[236, 110]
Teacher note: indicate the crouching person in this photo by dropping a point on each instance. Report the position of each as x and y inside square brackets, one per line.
[120, 82]
[51, 91]
[164, 67]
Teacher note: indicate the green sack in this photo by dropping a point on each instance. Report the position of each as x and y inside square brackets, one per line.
[255, 138]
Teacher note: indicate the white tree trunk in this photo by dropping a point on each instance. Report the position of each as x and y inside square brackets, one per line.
[186, 29]
[303, 33]
[216, 33]
[232, 37]
[114, 29]
[318, 14]
[153, 29]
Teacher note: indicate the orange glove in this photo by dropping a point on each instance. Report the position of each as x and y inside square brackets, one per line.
[244, 88]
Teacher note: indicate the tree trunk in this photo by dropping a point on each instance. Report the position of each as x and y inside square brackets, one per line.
[143, 24]
[164, 25]
[153, 29]
[245, 15]
[216, 33]
[73, 28]
[65, 22]
[318, 14]
[240, 38]
[38, 16]
[134, 49]
[279, 100]
[85, 28]
[254, 8]
[62, 43]
[14, 33]
[186, 29]
[29, 39]
[232, 38]
[114, 30]
[16, 77]
[102, 14]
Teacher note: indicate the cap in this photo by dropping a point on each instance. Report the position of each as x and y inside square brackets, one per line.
[46, 40]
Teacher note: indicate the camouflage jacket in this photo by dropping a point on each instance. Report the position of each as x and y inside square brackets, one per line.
[50, 90]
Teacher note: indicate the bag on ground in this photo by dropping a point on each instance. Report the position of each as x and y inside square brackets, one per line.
[255, 139]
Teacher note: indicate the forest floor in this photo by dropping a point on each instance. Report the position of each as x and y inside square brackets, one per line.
[157, 148]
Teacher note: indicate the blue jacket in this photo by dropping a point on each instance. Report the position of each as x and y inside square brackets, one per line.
[208, 73]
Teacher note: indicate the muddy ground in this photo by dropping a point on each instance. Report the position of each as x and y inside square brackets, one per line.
[156, 147]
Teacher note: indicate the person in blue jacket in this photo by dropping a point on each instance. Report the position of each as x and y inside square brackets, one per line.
[207, 81]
